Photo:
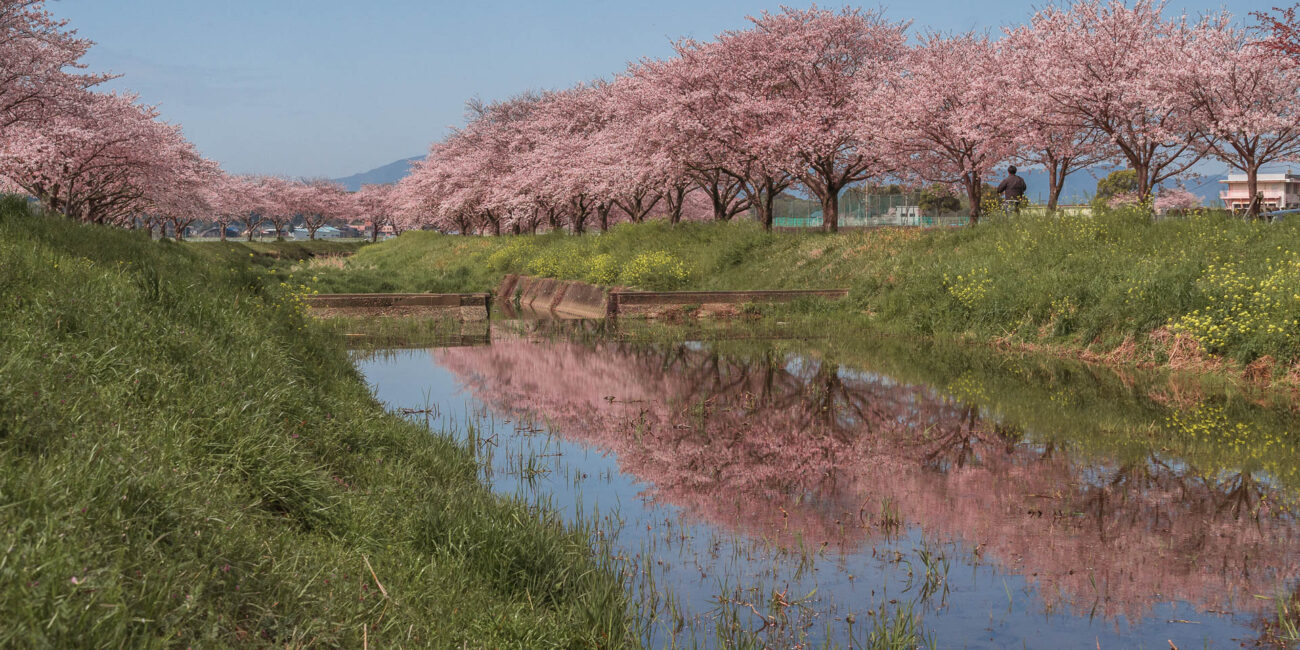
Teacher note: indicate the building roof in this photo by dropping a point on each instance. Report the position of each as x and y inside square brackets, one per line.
[1264, 178]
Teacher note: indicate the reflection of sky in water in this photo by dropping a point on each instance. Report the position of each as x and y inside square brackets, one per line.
[990, 602]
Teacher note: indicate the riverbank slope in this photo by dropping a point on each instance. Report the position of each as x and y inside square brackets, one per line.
[1205, 291]
[185, 460]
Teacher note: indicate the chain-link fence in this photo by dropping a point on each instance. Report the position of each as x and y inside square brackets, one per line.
[859, 209]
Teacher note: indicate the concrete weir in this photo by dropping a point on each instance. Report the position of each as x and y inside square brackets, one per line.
[565, 298]
[582, 300]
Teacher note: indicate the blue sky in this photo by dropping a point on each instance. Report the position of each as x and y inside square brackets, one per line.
[334, 87]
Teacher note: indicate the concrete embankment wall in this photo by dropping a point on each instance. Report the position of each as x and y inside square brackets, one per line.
[567, 298]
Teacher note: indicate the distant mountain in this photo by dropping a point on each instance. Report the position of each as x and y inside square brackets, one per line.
[1208, 189]
[390, 173]
[1081, 186]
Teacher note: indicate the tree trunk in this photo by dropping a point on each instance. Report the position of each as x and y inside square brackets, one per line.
[516, 229]
[719, 209]
[602, 212]
[717, 196]
[723, 190]
[831, 209]
[1144, 183]
[762, 197]
[1252, 189]
[1055, 183]
[637, 207]
[972, 181]
[765, 206]
[675, 197]
[579, 217]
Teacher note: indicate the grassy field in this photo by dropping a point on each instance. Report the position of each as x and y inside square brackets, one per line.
[1179, 291]
[185, 462]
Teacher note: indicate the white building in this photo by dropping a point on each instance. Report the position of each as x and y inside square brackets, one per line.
[1280, 192]
[906, 213]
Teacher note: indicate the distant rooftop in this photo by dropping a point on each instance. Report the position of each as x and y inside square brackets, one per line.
[1240, 177]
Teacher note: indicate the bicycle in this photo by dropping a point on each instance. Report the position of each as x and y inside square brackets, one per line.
[1010, 207]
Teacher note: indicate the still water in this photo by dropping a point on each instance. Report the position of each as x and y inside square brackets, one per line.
[806, 492]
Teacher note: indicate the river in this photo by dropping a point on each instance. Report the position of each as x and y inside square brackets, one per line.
[803, 492]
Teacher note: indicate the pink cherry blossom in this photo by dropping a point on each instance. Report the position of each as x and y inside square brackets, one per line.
[1107, 66]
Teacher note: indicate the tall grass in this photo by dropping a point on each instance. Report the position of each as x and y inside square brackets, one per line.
[1102, 282]
[185, 461]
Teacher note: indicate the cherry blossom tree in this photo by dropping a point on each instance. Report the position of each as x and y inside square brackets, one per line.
[375, 204]
[631, 174]
[185, 195]
[1283, 30]
[229, 201]
[721, 114]
[1061, 149]
[1059, 142]
[275, 200]
[319, 202]
[559, 171]
[412, 201]
[1175, 199]
[1108, 65]
[244, 204]
[94, 164]
[494, 144]
[1246, 97]
[823, 70]
[955, 123]
[650, 112]
[41, 73]
[473, 179]
[627, 167]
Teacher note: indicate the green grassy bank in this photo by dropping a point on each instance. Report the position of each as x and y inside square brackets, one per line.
[1182, 291]
[296, 251]
[184, 461]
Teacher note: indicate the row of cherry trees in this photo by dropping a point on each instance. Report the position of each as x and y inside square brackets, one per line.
[106, 158]
[818, 99]
[254, 203]
[812, 99]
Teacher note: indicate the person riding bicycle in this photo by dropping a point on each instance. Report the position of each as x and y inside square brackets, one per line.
[1012, 190]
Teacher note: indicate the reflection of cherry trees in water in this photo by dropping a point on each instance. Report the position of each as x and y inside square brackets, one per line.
[777, 446]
